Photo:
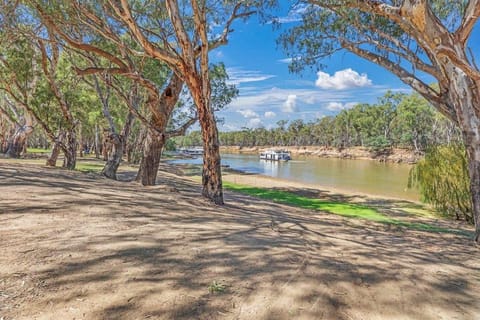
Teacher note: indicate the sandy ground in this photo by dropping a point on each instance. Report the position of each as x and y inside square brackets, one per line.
[78, 246]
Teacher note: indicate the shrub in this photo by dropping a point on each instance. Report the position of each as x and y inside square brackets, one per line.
[443, 180]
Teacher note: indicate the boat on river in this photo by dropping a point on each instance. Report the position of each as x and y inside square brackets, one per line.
[193, 151]
[275, 155]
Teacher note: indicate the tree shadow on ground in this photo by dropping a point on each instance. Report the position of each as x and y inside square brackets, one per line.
[91, 247]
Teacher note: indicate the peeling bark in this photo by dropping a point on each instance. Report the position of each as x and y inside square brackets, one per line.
[118, 142]
[147, 173]
[465, 95]
[18, 141]
[52, 159]
[70, 150]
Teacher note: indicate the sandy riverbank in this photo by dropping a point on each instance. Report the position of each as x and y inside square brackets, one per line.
[79, 246]
[257, 180]
[395, 155]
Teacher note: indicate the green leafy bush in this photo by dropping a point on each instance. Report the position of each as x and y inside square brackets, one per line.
[443, 180]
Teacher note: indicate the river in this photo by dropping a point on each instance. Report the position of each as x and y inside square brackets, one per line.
[365, 176]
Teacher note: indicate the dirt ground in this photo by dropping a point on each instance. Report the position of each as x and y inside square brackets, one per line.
[78, 246]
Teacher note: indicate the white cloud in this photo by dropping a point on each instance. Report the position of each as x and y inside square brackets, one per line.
[289, 60]
[270, 114]
[273, 99]
[255, 123]
[337, 106]
[239, 75]
[286, 60]
[248, 113]
[343, 79]
[229, 127]
[294, 15]
[290, 105]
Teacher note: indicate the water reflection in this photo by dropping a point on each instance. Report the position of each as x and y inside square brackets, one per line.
[366, 176]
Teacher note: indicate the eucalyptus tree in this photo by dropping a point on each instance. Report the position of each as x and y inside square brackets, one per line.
[116, 138]
[64, 89]
[19, 75]
[16, 130]
[105, 23]
[409, 38]
[413, 124]
[183, 43]
[111, 52]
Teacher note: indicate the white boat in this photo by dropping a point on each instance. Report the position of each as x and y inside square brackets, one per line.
[195, 151]
[275, 155]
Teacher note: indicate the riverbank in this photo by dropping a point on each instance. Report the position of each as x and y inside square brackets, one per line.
[394, 155]
[76, 245]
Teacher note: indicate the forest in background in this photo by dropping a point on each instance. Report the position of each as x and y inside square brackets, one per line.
[396, 120]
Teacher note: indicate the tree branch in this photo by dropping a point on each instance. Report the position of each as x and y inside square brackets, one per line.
[406, 77]
[183, 129]
[470, 17]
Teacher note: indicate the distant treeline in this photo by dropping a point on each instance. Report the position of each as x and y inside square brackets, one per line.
[396, 120]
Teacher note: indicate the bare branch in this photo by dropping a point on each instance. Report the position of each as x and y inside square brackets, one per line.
[407, 77]
[182, 129]
[472, 13]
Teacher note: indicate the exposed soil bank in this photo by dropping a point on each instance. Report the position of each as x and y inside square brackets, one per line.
[389, 155]
[79, 246]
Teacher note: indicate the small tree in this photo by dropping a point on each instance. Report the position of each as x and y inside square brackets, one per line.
[442, 177]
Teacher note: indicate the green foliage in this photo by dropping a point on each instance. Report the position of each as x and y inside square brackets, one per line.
[396, 120]
[377, 143]
[216, 287]
[339, 208]
[443, 180]
[170, 145]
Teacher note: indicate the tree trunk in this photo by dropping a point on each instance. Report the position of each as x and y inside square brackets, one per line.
[70, 150]
[114, 157]
[118, 142]
[211, 173]
[18, 140]
[473, 152]
[465, 95]
[52, 160]
[147, 173]
[97, 142]
[106, 147]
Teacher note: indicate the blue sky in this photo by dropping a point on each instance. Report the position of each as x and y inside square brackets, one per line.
[269, 93]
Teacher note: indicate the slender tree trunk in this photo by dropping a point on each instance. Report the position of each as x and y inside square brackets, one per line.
[81, 144]
[52, 159]
[147, 173]
[211, 173]
[18, 140]
[56, 148]
[114, 157]
[70, 150]
[106, 147]
[97, 142]
[118, 142]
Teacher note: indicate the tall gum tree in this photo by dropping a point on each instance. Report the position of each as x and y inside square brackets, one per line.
[184, 45]
[122, 59]
[410, 38]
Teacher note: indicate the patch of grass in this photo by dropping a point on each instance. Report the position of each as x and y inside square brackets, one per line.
[345, 209]
[89, 167]
[216, 287]
[37, 150]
